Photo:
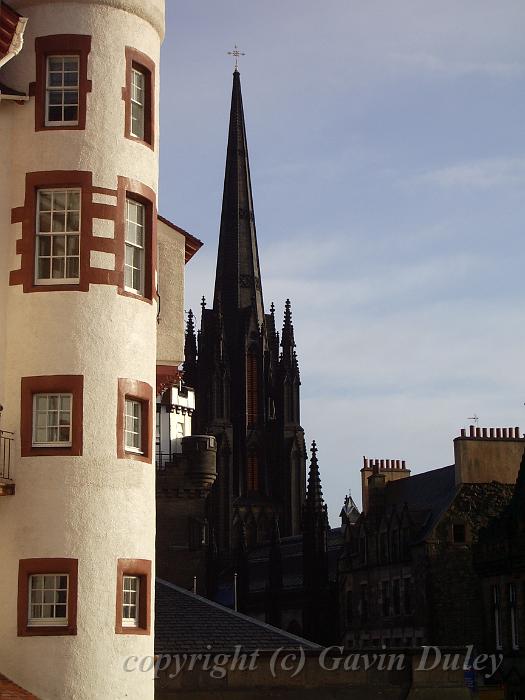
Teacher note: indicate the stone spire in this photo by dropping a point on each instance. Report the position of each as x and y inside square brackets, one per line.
[238, 277]
[314, 492]
[287, 337]
[190, 351]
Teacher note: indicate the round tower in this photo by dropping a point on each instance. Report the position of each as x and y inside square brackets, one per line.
[78, 533]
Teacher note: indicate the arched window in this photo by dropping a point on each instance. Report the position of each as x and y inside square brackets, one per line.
[252, 389]
[252, 473]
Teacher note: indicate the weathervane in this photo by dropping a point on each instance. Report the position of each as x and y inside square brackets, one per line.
[236, 53]
[475, 418]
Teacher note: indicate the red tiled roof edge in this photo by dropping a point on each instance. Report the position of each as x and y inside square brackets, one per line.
[8, 24]
[11, 691]
[192, 244]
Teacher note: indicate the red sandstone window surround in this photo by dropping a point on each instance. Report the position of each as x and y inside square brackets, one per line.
[54, 581]
[61, 85]
[44, 222]
[32, 410]
[139, 98]
[130, 444]
[136, 240]
[133, 599]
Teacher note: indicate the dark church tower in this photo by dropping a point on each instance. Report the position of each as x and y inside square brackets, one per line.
[246, 381]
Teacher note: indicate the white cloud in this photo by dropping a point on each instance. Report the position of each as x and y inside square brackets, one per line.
[481, 174]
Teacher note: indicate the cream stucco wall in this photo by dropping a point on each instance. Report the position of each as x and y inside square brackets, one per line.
[95, 508]
[170, 332]
[7, 111]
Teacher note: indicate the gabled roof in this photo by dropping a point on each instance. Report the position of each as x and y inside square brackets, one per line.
[426, 495]
[187, 623]
[192, 244]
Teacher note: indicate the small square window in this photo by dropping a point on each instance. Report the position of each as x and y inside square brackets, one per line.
[133, 426]
[52, 420]
[48, 600]
[133, 603]
[134, 420]
[47, 597]
[51, 416]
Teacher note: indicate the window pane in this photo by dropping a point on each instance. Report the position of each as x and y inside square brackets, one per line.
[55, 64]
[71, 64]
[59, 200]
[73, 220]
[45, 222]
[59, 222]
[73, 200]
[71, 98]
[55, 114]
[55, 80]
[44, 269]
[70, 79]
[44, 200]
[70, 114]
[59, 245]
[55, 97]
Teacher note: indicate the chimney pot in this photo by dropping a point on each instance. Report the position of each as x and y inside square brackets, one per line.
[505, 433]
[463, 432]
[403, 464]
[517, 431]
[472, 431]
[478, 432]
[484, 432]
[498, 432]
[382, 464]
[492, 433]
[398, 463]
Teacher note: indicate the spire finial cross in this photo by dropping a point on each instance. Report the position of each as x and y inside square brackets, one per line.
[236, 53]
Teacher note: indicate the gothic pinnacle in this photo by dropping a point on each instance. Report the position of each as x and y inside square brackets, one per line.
[314, 492]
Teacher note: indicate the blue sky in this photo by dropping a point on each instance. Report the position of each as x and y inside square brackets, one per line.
[387, 150]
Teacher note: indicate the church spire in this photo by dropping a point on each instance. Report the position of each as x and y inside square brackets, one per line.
[238, 277]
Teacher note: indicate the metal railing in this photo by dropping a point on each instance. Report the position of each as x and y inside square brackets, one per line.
[7, 442]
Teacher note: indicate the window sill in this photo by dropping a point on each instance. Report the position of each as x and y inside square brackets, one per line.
[56, 445]
[57, 282]
[48, 631]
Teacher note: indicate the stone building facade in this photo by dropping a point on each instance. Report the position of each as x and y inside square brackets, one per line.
[407, 574]
[499, 558]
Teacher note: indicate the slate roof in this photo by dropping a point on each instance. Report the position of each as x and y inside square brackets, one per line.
[188, 623]
[427, 495]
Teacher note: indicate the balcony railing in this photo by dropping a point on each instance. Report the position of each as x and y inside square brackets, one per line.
[7, 442]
